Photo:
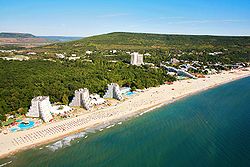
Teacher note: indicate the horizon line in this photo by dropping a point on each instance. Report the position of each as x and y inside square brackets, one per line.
[136, 32]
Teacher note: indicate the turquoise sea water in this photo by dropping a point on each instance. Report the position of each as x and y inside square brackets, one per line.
[209, 129]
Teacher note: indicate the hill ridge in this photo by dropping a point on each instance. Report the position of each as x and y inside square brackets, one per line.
[145, 41]
[16, 35]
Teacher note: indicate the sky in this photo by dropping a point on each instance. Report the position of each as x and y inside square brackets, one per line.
[91, 17]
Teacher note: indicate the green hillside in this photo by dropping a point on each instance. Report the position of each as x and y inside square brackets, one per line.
[142, 41]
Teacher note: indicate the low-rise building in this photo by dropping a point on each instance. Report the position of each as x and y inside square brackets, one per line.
[7, 51]
[31, 53]
[16, 57]
[177, 71]
[73, 58]
[96, 99]
[88, 52]
[174, 61]
[215, 53]
[113, 51]
[186, 67]
[147, 54]
[125, 90]
[60, 56]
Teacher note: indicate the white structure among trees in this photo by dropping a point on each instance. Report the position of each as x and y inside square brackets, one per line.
[96, 99]
[136, 59]
[113, 91]
[40, 107]
[81, 98]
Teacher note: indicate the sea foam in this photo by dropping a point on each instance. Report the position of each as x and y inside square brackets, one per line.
[65, 142]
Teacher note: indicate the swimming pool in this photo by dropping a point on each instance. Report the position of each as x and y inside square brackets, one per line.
[130, 93]
[23, 126]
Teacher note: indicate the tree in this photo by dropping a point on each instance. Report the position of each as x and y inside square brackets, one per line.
[2, 117]
[22, 110]
[65, 99]
[133, 88]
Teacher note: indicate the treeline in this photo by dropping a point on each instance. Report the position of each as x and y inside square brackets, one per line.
[144, 41]
[21, 81]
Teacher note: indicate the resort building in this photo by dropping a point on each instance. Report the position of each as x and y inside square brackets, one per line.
[88, 52]
[215, 53]
[125, 90]
[96, 99]
[169, 68]
[185, 74]
[60, 56]
[113, 51]
[113, 91]
[73, 58]
[40, 107]
[81, 98]
[174, 61]
[16, 57]
[7, 51]
[31, 53]
[147, 54]
[178, 71]
[186, 67]
[136, 59]
[60, 109]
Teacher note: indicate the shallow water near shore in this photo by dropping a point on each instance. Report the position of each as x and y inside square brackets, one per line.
[208, 129]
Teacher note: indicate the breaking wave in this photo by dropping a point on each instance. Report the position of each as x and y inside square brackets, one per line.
[65, 142]
[1, 165]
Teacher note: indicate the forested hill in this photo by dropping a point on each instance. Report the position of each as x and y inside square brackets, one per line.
[126, 41]
[16, 35]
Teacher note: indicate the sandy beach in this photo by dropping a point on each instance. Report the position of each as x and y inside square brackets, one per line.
[137, 104]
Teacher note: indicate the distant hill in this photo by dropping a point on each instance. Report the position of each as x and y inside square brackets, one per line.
[29, 40]
[60, 38]
[142, 41]
[17, 40]
[16, 35]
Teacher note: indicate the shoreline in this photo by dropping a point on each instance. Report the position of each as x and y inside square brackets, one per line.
[140, 103]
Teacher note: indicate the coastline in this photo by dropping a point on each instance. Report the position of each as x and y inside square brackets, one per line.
[140, 103]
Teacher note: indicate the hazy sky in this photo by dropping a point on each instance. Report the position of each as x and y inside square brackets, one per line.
[90, 17]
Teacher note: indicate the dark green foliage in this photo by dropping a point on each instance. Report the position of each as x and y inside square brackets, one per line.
[65, 99]
[162, 47]
[143, 41]
[2, 118]
[60, 38]
[22, 110]
[10, 47]
[21, 81]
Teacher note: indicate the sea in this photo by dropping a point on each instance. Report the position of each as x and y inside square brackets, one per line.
[208, 129]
